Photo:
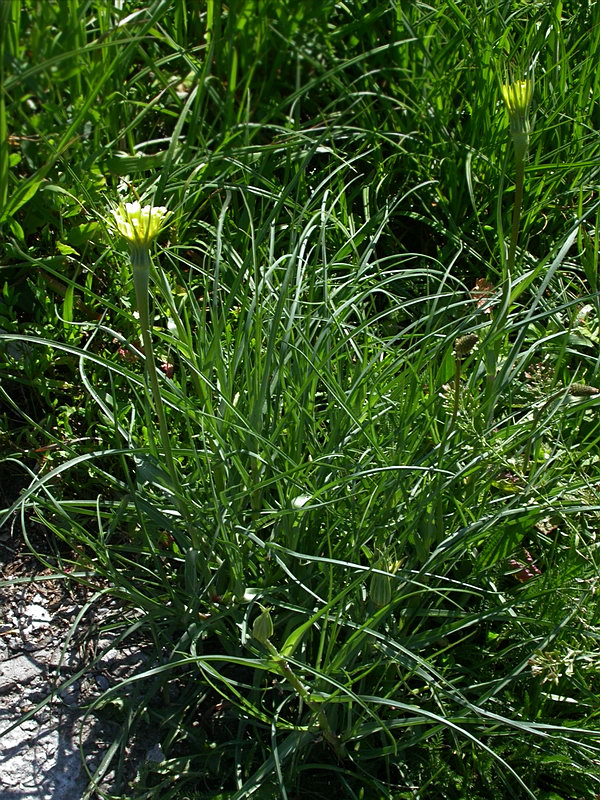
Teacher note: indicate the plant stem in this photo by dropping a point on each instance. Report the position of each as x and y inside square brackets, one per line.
[140, 259]
[535, 419]
[141, 270]
[521, 146]
[455, 406]
[517, 208]
[317, 708]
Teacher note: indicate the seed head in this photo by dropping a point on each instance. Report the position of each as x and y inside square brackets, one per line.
[582, 390]
[465, 344]
[139, 225]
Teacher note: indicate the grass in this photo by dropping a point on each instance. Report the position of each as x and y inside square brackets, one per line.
[418, 510]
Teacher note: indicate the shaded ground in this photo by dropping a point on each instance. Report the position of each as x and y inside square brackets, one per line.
[43, 646]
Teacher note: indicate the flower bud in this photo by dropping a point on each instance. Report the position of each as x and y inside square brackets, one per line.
[517, 98]
[262, 630]
[380, 589]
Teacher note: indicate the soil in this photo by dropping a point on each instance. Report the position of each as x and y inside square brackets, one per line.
[50, 629]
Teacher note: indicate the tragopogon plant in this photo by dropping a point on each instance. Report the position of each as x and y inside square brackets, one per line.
[139, 225]
[517, 99]
[517, 96]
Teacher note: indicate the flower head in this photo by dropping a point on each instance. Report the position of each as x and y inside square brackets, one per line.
[138, 224]
[464, 345]
[517, 98]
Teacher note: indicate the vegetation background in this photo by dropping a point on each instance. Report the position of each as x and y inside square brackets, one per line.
[410, 515]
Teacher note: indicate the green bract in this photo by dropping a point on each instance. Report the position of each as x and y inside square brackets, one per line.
[517, 98]
[262, 630]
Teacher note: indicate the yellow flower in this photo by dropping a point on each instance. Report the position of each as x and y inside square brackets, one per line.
[138, 224]
[517, 98]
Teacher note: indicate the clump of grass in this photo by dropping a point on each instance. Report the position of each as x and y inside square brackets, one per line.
[330, 444]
